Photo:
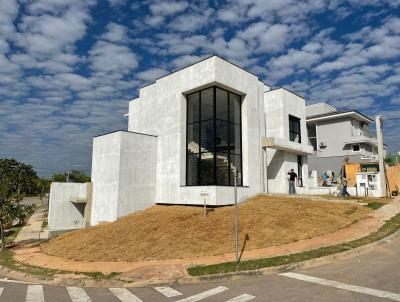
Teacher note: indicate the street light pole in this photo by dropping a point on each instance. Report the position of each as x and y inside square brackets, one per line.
[379, 122]
[236, 220]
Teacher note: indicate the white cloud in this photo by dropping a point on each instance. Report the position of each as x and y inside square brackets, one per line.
[168, 8]
[107, 57]
[115, 33]
[151, 74]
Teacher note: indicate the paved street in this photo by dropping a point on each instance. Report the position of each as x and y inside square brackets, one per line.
[371, 277]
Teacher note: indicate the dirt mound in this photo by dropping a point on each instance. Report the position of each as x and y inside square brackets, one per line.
[166, 232]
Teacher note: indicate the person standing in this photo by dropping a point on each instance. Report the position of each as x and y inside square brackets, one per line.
[292, 181]
[344, 187]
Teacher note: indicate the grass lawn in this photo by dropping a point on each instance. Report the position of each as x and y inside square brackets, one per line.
[165, 232]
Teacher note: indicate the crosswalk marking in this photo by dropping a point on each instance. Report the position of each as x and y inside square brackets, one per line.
[124, 295]
[241, 298]
[1, 290]
[34, 293]
[167, 291]
[15, 281]
[204, 295]
[349, 287]
[77, 294]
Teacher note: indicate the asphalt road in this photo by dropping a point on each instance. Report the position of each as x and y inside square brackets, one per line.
[371, 277]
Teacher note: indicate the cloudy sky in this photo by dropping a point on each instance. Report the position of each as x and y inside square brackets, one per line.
[69, 67]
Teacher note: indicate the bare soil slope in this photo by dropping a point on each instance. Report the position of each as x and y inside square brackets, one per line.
[166, 232]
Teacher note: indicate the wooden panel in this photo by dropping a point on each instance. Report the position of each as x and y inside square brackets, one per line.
[393, 176]
[351, 170]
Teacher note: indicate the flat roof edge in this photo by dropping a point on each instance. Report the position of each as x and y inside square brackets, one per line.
[115, 131]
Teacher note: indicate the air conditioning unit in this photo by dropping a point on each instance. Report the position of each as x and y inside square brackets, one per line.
[322, 144]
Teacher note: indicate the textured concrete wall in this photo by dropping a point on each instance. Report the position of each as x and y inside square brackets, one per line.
[63, 214]
[161, 110]
[334, 133]
[333, 163]
[105, 177]
[123, 175]
[320, 108]
[137, 176]
[278, 105]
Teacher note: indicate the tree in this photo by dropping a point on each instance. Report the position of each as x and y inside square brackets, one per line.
[71, 176]
[22, 176]
[15, 177]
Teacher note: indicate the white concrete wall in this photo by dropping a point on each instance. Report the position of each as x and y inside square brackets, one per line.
[320, 108]
[137, 175]
[123, 175]
[278, 105]
[161, 110]
[106, 162]
[63, 214]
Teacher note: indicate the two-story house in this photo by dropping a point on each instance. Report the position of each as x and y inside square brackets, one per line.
[337, 136]
[189, 134]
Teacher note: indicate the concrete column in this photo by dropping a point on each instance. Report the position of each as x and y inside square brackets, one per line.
[382, 172]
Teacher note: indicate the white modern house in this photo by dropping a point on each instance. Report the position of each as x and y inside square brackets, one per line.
[337, 135]
[189, 133]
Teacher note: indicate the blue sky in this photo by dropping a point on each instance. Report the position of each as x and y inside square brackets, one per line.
[69, 67]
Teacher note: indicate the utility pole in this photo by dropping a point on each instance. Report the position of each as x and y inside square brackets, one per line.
[379, 123]
[67, 175]
[236, 221]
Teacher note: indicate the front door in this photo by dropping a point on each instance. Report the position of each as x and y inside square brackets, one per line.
[300, 170]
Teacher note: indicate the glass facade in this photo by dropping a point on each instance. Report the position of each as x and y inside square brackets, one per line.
[214, 138]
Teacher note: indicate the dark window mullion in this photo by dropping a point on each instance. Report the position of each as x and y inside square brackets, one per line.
[229, 140]
[198, 182]
[241, 156]
[215, 136]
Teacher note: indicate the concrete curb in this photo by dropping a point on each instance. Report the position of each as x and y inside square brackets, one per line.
[362, 250]
[84, 281]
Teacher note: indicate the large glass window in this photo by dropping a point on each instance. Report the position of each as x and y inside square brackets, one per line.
[214, 144]
[312, 136]
[294, 129]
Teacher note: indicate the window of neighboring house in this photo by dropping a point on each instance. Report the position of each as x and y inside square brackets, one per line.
[312, 136]
[356, 148]
[294, 129]
[214, 143]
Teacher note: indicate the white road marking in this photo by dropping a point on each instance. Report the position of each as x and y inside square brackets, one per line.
[349, 287]
[1, 290]
[34, 293]
[77, 294]
[15, 281]
[124, 295]
[241, 298]
[167, 291]
[204, 295]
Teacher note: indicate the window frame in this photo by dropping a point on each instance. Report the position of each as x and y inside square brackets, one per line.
[229, 152]
[293, 118]
[313, 137]
[359, 148]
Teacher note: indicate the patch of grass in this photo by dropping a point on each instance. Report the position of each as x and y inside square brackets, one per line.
[374, 205]
[388, 228]
[7, 260]
[101, 276]
[13, 233]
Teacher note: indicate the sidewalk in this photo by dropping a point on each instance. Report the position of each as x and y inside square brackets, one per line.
[32, 231]
[172, 270]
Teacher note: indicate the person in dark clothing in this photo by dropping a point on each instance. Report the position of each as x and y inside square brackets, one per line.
[292, 181]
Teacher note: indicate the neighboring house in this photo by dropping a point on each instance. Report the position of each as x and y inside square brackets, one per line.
[338, 135]
[190, 133]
